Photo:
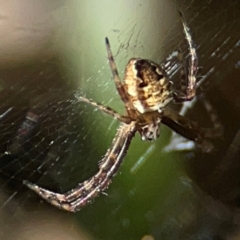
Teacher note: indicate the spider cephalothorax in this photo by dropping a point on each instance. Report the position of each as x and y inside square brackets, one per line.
[145, 92]
[148, 91]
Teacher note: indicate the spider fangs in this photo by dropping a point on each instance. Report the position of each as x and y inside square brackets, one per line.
[145, 92]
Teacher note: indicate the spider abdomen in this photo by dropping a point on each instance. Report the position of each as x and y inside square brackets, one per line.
[147, 85]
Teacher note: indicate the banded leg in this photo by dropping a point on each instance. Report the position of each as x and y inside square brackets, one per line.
[115, 74]
[78, 197]
[191, 71]
[104, 109]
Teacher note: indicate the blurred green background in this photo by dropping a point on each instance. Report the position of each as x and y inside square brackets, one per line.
[51, 52]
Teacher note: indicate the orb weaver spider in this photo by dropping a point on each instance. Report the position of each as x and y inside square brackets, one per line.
[145, 91]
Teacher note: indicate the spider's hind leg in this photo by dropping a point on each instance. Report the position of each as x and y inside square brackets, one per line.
[191, 71]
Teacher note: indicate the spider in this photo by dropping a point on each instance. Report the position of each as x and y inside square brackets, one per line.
[145, 91]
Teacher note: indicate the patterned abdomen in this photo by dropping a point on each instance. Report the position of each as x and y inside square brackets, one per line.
[147, 85]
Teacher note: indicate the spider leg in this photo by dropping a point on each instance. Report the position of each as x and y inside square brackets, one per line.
[211, 132]
[182, 125]
[191, 130]
[105, 109]
[192, 70]
[117, 80]
[78, 197]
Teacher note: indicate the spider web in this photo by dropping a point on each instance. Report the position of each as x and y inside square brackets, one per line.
[53, 52]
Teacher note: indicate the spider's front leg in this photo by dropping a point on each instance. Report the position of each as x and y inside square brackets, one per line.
[78, 197]
[107, 110]
[191, 70]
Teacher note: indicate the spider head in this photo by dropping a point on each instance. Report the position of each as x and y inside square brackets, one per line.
[150, 131]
